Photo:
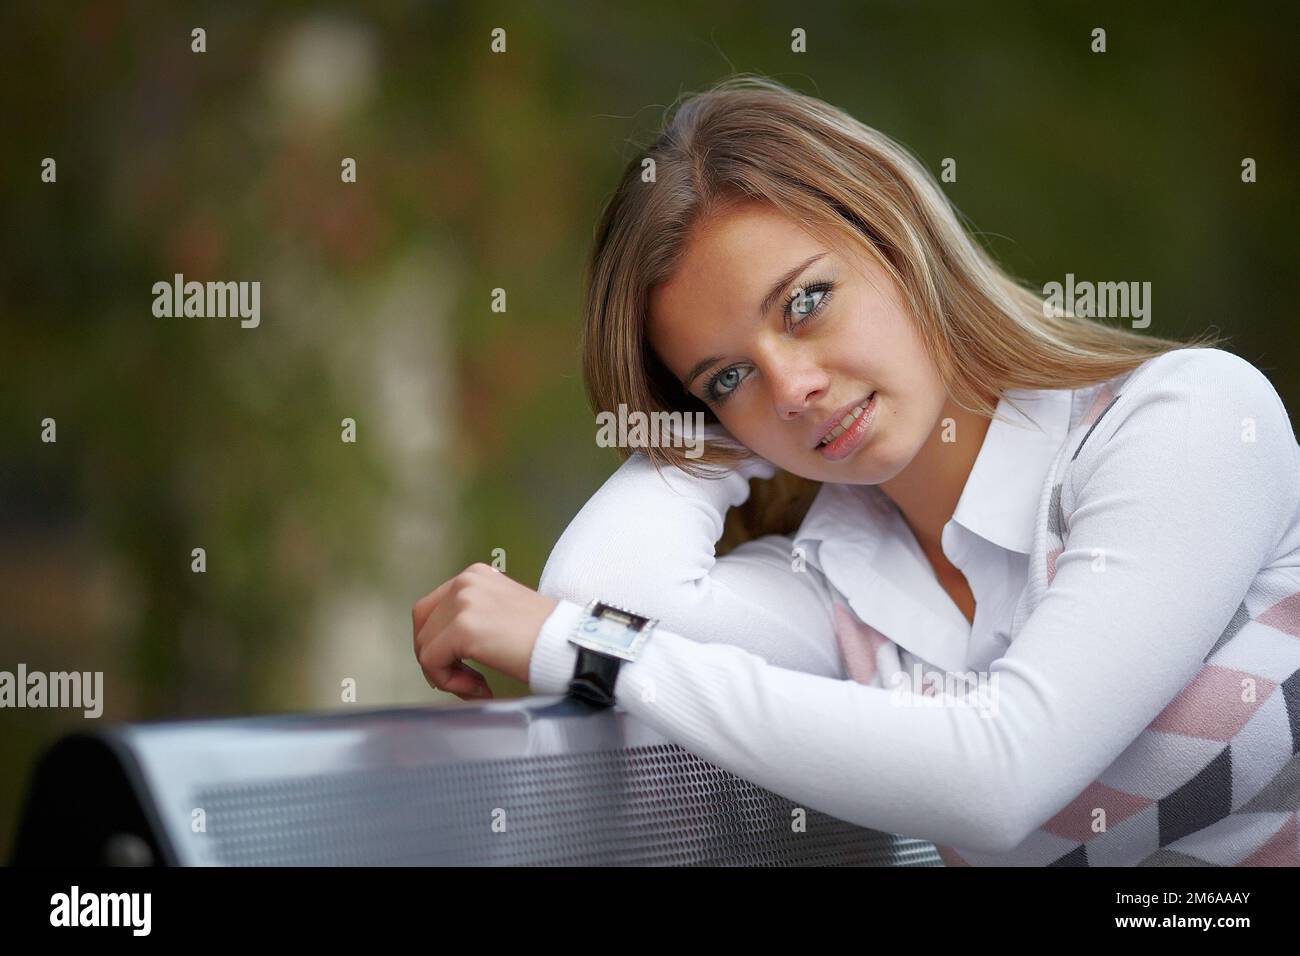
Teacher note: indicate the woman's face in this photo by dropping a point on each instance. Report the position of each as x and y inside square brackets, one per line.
[779, 371]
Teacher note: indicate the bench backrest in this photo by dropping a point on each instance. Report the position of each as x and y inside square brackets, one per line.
[538, 780]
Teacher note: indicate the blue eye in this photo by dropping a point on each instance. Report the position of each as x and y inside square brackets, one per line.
[723, 378]
[822, 290]
[805, 296]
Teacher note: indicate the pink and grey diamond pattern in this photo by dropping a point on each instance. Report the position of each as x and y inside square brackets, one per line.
[1214, 780]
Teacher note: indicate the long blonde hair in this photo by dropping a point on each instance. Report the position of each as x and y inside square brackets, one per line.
[751, 138]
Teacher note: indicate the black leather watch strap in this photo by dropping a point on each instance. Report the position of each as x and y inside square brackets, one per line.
[594, 676]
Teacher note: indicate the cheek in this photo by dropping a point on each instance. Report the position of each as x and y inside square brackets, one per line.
[759, 435]
[743, 425]
[901, 367]
[875, 349]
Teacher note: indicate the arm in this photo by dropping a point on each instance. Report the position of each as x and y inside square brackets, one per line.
[1186, 514]
[647, 541]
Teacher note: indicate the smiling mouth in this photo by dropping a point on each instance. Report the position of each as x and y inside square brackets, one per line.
[846, 422]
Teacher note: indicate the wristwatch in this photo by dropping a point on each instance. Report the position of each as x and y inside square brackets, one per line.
[606, 635]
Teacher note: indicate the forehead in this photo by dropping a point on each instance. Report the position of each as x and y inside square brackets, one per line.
[746, 245]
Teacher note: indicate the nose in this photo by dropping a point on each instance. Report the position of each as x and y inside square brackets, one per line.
[797, 384]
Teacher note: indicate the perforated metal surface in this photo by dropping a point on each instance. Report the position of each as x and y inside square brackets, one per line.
[649, 805]
[537, 780]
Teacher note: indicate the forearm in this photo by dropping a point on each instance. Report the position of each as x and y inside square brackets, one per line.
[647, 541]
[646, 534]
[840, 747]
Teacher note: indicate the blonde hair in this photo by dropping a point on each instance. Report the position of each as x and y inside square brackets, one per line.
[749, 138]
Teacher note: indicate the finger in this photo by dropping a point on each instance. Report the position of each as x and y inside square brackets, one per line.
[469, 683]
[476, 697]
[439, 654]
[466, 680]
[459, 679]
[424, 607]
[438, 676]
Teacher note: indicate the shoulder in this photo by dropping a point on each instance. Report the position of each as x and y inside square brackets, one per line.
[1208, 372]
[1194, 410]
[1194, 455]
[1198, 389]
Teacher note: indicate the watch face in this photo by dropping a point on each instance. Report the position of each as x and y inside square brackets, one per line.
[611, 632]
[617, 616]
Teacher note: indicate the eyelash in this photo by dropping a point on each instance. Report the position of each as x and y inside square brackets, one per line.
[825, 286]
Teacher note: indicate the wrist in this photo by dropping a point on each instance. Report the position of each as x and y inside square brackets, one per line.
[551, 664]
[607, 636]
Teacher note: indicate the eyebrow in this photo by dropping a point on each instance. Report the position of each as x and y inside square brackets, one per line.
[764, 307]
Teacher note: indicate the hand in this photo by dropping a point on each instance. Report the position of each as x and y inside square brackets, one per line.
[479, 614]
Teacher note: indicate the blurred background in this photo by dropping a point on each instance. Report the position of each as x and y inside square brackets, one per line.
[475, 171]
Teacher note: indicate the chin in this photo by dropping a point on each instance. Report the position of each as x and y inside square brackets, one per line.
[864, 468]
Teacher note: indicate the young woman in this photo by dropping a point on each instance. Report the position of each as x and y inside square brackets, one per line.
[1091, 533]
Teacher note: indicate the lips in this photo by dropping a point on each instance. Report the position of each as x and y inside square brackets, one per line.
[841, 419]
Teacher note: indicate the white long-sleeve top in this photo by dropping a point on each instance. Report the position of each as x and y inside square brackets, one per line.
[1134, 551]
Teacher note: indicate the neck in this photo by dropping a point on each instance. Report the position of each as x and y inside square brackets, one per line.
[928, 489]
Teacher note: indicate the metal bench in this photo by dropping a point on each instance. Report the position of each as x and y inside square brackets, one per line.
[532, 781]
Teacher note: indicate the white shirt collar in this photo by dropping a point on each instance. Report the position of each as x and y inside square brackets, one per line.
[856, 536]
[1000, 500]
